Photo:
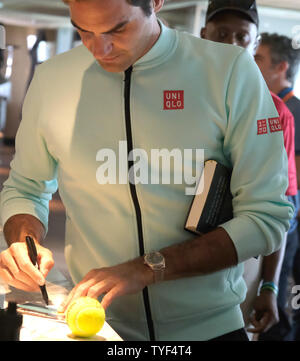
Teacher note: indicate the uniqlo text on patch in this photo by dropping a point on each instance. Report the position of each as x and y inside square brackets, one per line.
[173, 99]
[275, 125]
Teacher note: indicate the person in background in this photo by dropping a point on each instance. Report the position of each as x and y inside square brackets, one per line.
[236, 23]
[278, 60]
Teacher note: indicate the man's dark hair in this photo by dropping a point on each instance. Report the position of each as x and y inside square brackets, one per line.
[281, 49]
[144, 4]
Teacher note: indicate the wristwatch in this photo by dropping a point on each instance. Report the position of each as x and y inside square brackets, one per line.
[156, 261]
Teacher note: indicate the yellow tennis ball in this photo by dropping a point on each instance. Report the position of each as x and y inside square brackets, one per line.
[85, 316]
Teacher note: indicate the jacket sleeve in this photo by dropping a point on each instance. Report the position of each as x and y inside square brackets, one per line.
[32, 179]
[259, 161]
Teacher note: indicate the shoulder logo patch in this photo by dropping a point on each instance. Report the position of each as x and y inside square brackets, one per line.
[262, 127]
[274, 125]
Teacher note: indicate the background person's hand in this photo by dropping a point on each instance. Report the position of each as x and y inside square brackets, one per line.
[265, 313]
[123, 279]
[17, 270]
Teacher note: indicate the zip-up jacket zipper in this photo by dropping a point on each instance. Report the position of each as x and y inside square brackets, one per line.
[134, 195]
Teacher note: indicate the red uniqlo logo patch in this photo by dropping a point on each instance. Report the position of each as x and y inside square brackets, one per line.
[262, 126]
[173, 99]
[274, 125]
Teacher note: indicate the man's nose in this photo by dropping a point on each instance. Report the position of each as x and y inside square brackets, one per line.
[102, 46]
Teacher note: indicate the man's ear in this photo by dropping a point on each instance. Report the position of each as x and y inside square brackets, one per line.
[283, 67]
[203, 33]
[157, 5]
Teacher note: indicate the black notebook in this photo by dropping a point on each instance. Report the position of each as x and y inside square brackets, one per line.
[213, 206]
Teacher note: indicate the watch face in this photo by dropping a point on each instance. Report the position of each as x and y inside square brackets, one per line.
[156, 261]
[155, 258]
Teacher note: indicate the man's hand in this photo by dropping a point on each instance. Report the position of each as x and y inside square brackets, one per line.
[17, 270]
[126, 278]
[265, 312]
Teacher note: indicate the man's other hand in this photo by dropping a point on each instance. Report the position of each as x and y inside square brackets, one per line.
[123, 279]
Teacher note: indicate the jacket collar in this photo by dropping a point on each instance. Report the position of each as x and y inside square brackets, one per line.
[164, 47]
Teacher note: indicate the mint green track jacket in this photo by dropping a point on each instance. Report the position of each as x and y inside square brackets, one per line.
[74, 108]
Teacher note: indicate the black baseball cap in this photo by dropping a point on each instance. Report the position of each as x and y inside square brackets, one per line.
[247, 7]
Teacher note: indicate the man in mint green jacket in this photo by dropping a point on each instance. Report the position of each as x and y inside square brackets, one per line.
[133, 88]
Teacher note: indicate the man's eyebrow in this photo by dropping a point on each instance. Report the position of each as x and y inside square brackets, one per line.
[115, 28]
[77, 26]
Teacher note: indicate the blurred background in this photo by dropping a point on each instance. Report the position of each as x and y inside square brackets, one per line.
[39, 29]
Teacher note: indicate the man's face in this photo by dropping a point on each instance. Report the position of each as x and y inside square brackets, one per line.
[115, 32]
[230, 28]
[264, 62]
